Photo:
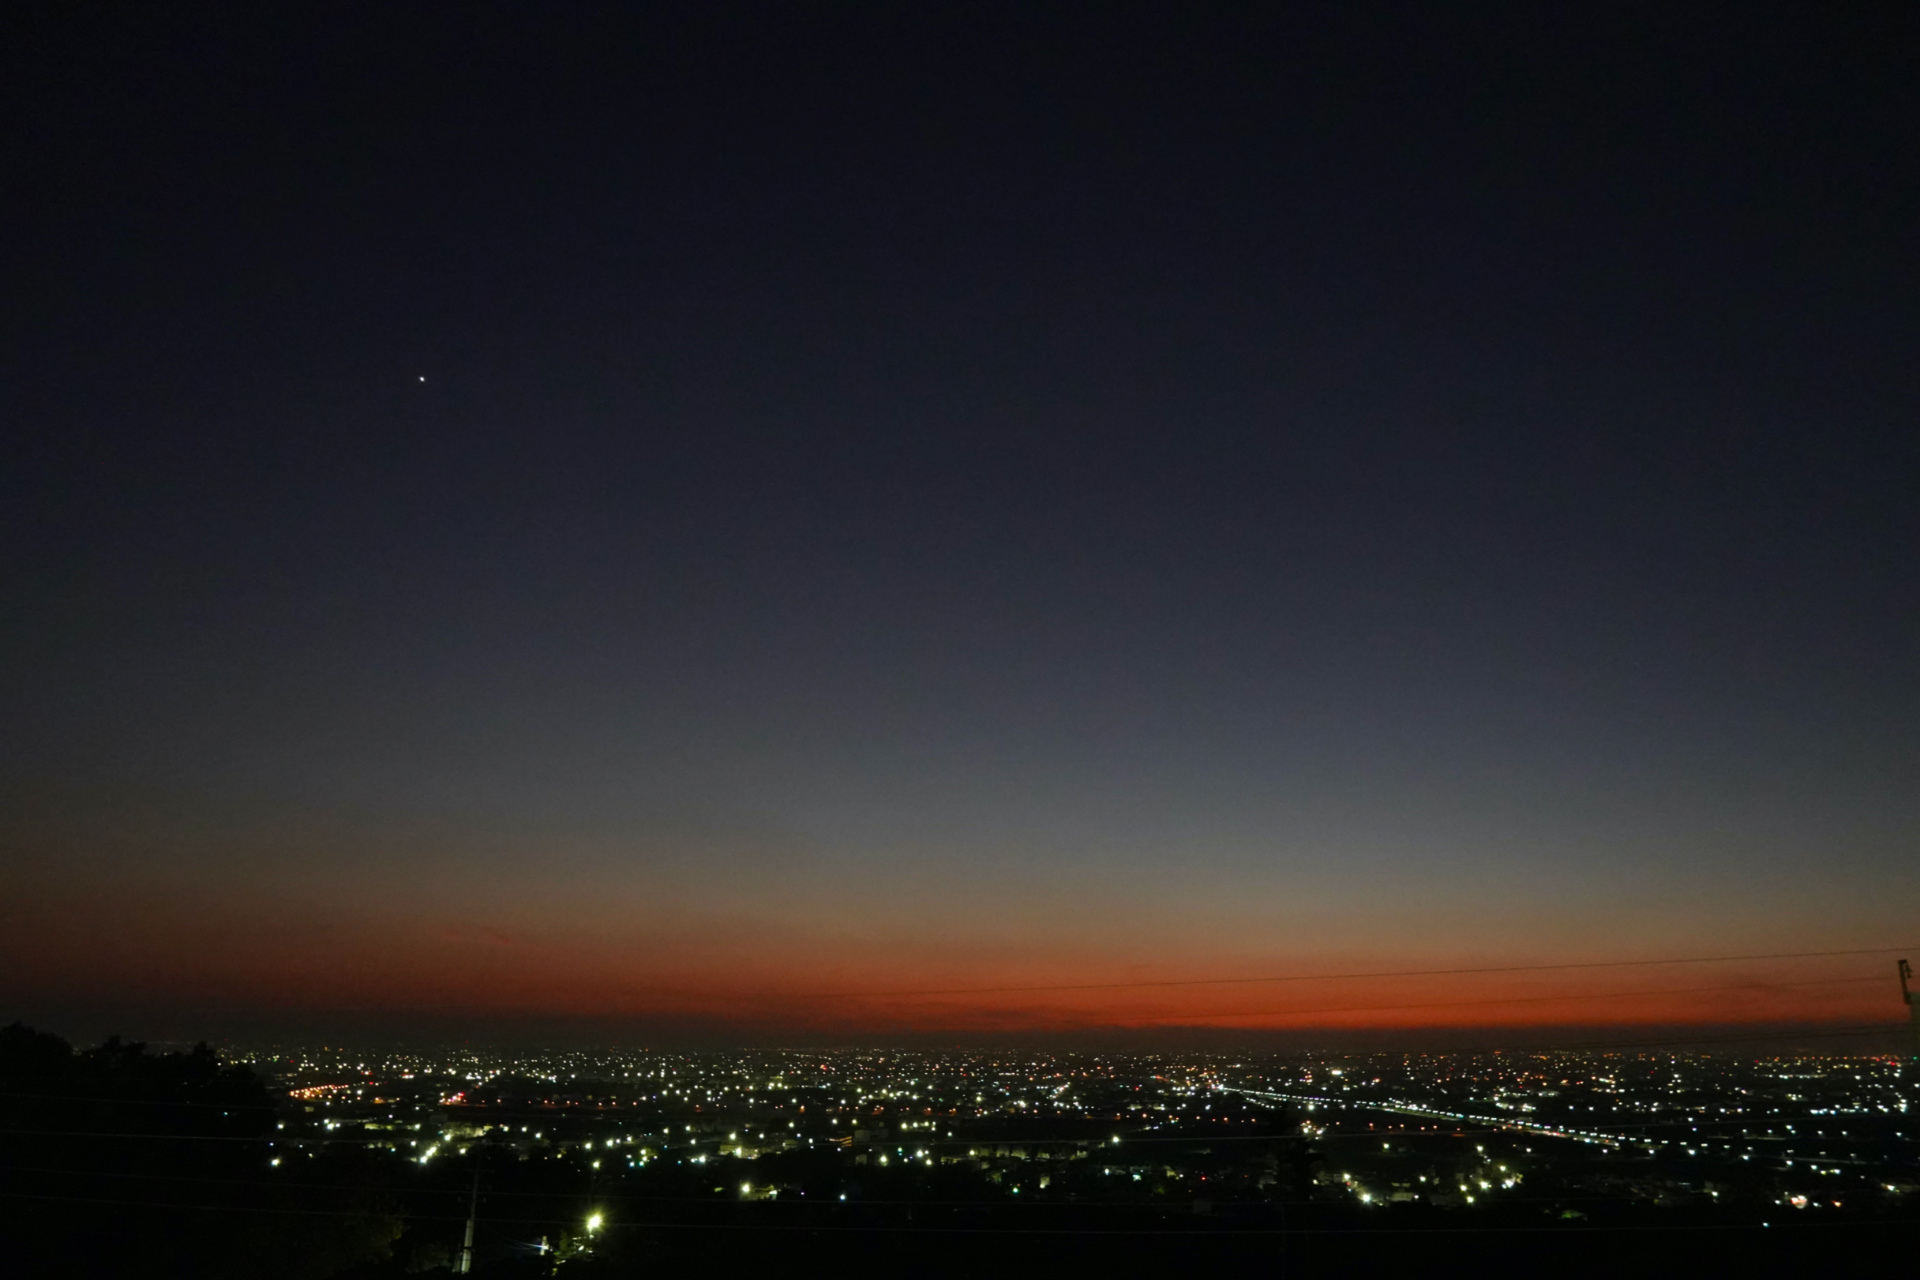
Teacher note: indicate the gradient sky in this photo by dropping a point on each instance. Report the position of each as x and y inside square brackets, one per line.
[692, 514]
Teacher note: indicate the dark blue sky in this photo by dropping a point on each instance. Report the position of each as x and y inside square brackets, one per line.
[955, 487]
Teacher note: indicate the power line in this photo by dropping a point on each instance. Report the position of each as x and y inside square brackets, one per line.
[141, 1102]
[820, 1228]
[617, 1196]
[264, 1138]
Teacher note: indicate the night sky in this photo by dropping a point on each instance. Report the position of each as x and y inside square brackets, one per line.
[697, 515]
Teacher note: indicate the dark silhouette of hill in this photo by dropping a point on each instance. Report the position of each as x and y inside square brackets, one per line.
[120, 1161]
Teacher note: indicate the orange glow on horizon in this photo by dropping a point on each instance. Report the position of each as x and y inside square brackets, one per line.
[761, 979]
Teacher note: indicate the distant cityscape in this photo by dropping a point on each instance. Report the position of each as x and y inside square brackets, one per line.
[1553, 1138]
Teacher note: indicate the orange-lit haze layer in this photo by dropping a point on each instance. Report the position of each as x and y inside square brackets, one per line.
[761, 949]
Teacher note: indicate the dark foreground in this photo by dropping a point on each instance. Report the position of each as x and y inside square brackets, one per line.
[119, 1162]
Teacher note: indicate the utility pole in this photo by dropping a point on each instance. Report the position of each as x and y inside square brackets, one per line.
[465, 1263]
[1908, 994]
